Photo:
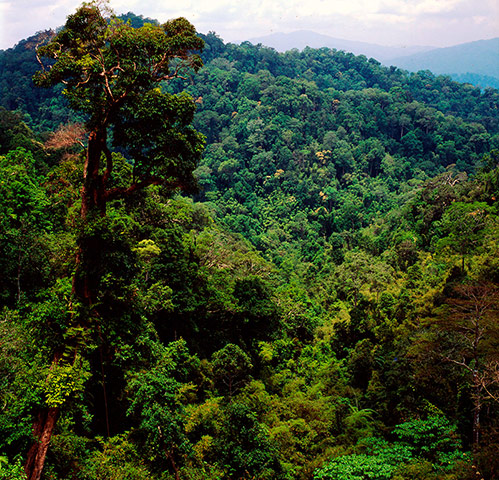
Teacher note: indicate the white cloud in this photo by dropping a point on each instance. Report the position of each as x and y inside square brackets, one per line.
[439, 22]
[417, 7]
[22, 18]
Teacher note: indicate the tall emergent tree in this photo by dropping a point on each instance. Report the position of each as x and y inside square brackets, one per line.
[112, 74]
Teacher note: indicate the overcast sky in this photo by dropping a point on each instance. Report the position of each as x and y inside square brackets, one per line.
[439, 23]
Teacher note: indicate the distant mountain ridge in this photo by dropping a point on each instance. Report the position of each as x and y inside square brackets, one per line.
[306, 38]
[473, 62]
[480, 57]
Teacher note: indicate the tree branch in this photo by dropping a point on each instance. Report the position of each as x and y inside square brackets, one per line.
[136, 186]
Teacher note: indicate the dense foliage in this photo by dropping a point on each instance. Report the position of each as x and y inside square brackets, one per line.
[324, 308]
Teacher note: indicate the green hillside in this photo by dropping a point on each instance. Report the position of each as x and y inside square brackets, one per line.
[274, 266]
[473, 62]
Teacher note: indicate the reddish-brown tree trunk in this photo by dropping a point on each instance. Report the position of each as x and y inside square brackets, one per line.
[169, 454]
[43, 429]
[84, 281]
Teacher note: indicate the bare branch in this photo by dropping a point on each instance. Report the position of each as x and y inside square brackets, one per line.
[66, 137]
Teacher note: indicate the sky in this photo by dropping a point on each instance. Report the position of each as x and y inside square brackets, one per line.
[438, 23]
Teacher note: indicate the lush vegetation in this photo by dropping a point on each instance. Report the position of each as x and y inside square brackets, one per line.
[324, 307]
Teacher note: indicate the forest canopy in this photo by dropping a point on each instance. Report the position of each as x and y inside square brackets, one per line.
[224, 262]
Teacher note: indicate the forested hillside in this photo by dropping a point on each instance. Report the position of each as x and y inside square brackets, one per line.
[312, 296]
[473, 62]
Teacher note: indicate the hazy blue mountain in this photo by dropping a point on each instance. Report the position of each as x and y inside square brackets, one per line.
[305, 38]
[475, 58]
[474, 62]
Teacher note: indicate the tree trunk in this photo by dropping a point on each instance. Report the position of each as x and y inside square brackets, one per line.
[18, 279]
[85, 281]
[169, 454]
[93, 206]
[88, 272]
[42, 430]
[92, 194]
[476, 426]
[477, 407]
